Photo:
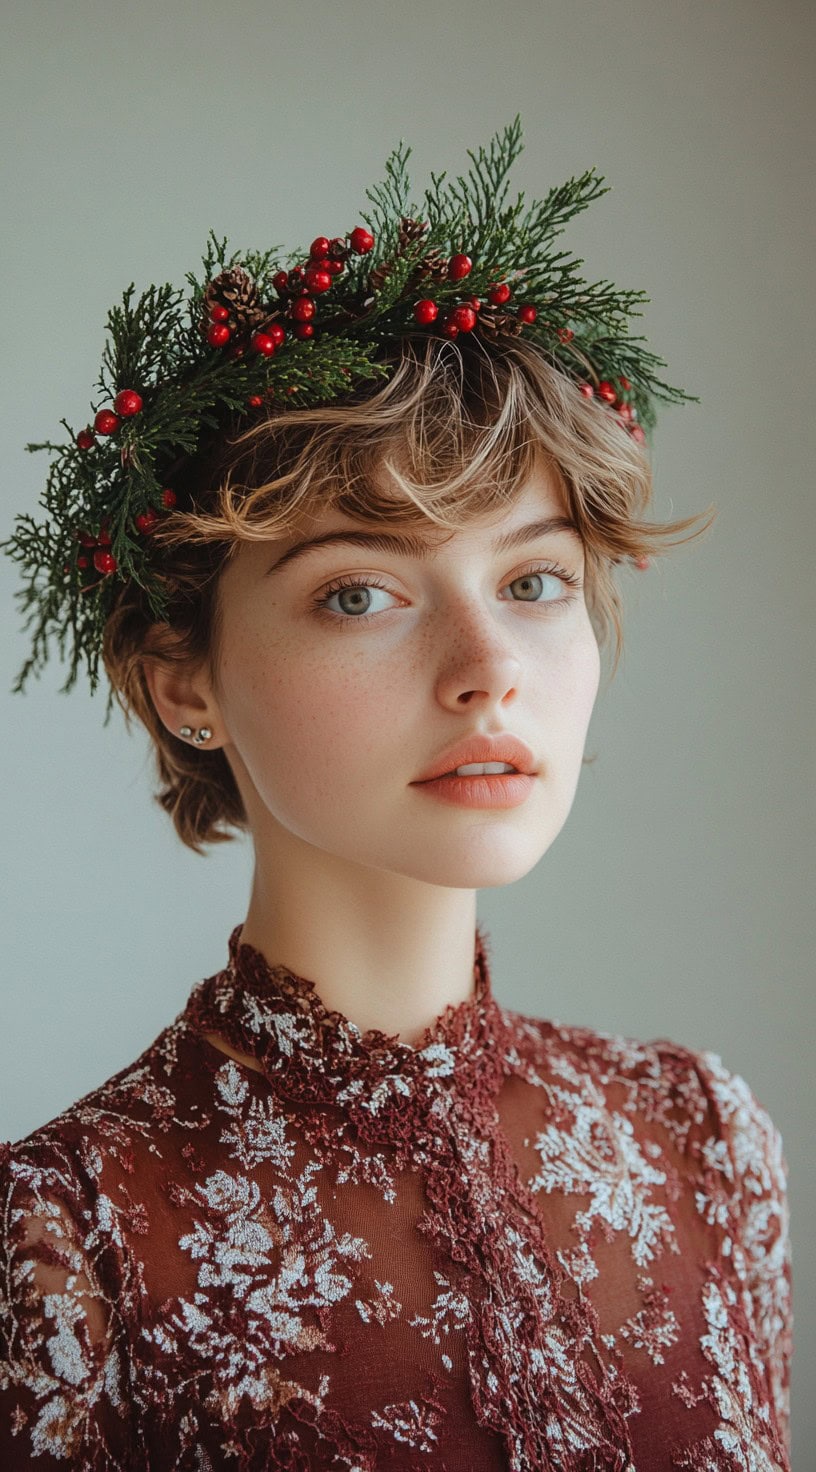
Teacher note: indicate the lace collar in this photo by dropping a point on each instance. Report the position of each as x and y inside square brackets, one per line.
[312, 1054]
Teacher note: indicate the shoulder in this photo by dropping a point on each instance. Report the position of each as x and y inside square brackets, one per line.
[706, 1107]
[73, 1191]
[98, 1136]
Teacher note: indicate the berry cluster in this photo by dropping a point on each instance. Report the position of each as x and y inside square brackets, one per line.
[463, 316]
[98, 546]
[107, 421]
[125, 405]
[103, 560]
[626, 411]
[297, 291]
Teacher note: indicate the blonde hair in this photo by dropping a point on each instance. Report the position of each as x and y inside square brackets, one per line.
[460, 426]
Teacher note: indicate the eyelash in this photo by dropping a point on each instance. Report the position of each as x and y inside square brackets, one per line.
[319, 604]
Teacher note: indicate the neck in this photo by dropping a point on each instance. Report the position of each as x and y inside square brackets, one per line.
[385, 950]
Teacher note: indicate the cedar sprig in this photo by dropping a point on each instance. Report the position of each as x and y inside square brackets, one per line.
[390, 200]
[144, 347]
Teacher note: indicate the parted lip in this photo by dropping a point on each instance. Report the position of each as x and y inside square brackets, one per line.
[501, 748]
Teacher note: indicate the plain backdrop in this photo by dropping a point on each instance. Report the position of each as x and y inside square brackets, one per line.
[678, 900]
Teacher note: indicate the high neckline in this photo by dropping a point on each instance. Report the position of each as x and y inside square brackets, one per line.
[315, 1054]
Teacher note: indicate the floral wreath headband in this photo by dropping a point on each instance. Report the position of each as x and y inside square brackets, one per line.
[256, 331]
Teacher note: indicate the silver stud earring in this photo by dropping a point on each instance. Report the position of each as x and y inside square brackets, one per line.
[203, 734]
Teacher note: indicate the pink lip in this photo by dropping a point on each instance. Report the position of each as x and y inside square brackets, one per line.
[503, 747]
[491, 790]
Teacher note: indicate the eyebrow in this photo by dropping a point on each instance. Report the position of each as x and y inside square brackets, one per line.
[409, 545]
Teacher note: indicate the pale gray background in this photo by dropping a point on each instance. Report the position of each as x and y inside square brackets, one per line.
[678, 901]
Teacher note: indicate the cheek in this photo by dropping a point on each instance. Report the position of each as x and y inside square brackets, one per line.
[304, 716]
[569, 679]
[587, 675]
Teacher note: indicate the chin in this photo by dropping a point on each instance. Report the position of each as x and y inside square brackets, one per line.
[481, 860]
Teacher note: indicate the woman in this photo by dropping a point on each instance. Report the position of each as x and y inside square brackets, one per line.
[347, 1210]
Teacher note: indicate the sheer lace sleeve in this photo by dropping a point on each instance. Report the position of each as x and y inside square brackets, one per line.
[756, 1172]
[63, 1397]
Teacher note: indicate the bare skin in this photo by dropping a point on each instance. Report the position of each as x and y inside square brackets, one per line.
[363, 883]
[217, 1042]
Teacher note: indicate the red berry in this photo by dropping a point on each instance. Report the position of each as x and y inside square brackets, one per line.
[103, 536]
[624, 382]
[426, 311]
[318, 281]
[498, 295]
[106, 422]
[333, 267]
[218, 335]
[304, 329]
[263, 343]
[237, 350]
[219, 313]
[475, 303]
[526, 314]
[450, 328]
[127, 403]
[295, 276]
[464, 317]
[146, 520]
[277, 334]
[255, 401]
[303, 309]
[85, 439]
[82, 561]
[168, 497]
[280, 280]
[459, 266]
[637, 433]
[606, 391]
[361, 241]
[624, 412]
[104, 561]
[565, 334]
[587, 390]
[318, 247]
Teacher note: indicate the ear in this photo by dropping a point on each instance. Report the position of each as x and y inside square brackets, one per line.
[182, 694]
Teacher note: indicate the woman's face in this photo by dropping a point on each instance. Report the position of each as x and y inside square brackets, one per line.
[333, 703]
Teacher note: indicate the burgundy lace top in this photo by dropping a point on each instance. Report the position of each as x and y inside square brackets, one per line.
[516, 1245]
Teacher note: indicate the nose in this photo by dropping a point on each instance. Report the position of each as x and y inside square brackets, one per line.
[478, 660]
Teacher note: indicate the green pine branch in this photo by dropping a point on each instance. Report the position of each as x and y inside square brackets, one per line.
[390, 200]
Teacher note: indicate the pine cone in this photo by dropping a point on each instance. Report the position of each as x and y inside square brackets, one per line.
[495, 323]
[380, 275]
[433, 266]
[409, 231]
[236, 290]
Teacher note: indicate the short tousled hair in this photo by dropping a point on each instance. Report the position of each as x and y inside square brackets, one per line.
[459, 425]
